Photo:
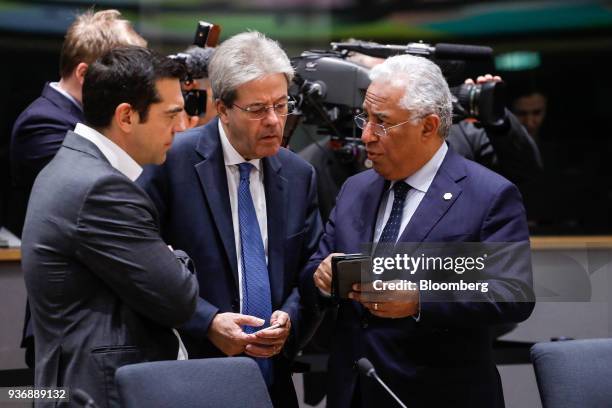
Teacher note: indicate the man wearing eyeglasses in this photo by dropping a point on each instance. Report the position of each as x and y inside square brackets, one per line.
[432, 350]
[245, 210]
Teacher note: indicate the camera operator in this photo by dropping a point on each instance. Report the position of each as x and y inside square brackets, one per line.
[505, 148]
[196, 87]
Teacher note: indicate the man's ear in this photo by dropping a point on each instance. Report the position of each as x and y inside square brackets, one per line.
[222, 110]
[125, 117]
[431, 124]
[80, 72]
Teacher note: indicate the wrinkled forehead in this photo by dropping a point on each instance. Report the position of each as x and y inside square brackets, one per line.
[265, 88]
[383, 95]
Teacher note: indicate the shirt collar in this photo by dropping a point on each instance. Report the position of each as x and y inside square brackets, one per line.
[230, 154]
[115, 155]
[55, 85]
[423, 177]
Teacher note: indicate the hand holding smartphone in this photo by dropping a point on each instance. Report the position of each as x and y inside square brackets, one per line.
[272, 327]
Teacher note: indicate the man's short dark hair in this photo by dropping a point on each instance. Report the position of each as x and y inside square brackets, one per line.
[124, 75]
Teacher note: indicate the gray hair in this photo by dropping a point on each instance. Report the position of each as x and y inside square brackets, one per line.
[425, 89]
[243, 58]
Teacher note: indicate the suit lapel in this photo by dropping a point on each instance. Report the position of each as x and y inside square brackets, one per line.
[276, 187]
[437, 200]
[213, 180]
[365, 218]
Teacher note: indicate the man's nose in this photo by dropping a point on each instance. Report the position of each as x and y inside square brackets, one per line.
[180, 124]
[367, 134]
[271, 117]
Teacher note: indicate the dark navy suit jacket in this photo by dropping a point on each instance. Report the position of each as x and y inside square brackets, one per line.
[444, 359]
[190, 191]
[37, 135]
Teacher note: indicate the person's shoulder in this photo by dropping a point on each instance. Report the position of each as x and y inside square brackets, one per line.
[363, 177]
[482, 179]
[293, 161]
[191, 139]
[40, 110]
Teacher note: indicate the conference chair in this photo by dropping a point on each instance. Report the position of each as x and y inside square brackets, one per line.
[229, 382]
[574, 373]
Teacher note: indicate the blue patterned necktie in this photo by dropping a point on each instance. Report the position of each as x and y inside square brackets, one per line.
[256, 300]
[392, 227]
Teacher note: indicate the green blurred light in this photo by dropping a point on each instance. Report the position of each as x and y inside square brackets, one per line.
[517, 61]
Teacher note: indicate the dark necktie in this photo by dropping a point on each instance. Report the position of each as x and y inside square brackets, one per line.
[392, 227]
[255, 280]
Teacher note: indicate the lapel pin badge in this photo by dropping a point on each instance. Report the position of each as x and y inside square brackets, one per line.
[447, 196]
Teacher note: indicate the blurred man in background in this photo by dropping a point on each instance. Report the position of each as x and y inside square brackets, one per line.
[530, 109]
[197, 91]
[40, 129]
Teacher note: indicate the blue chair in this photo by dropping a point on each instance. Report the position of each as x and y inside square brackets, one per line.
[229, 382]
[574, 373]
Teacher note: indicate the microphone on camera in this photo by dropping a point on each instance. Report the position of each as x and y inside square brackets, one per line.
[366, 368]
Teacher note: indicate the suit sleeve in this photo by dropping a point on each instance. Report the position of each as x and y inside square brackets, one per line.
[510, 296]
[119, 240]
[154, 180]
[305, 320]
[310, 294]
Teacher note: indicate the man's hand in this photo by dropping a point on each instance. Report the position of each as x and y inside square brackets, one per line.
[386, 303]
[191, 121]
[323, 275]
[227, 335]
[484, 78]
[270, 342]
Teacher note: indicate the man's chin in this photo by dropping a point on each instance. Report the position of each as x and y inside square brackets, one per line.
[268, 150]
[382, 170]
[160, 159]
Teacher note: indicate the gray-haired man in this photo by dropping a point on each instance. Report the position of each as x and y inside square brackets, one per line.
[245, 210]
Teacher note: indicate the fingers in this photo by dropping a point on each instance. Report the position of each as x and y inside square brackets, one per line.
[323, 280]
[487, 78]
[372, 297]
[483, 78]
[192, 121]
[262, 351]
[264, 338]
[279, 317]
[246, 320]
[323, 275]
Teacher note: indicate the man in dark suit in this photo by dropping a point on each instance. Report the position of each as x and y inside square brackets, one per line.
[432, 350]
[40, 129]
[245, 211]
[104, 289]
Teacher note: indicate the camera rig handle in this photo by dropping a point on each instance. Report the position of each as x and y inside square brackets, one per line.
[438, 51]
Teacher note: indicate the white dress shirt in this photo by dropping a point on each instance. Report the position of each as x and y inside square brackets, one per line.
[58, 88]
[124, 163]
[115, 155]
[232, 159]
[420, 182]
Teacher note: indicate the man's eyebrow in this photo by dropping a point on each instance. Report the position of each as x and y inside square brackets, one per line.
[379, 115]
[176, 109]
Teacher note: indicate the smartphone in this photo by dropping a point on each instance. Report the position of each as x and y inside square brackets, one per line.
[274, 326]
[347, 270]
